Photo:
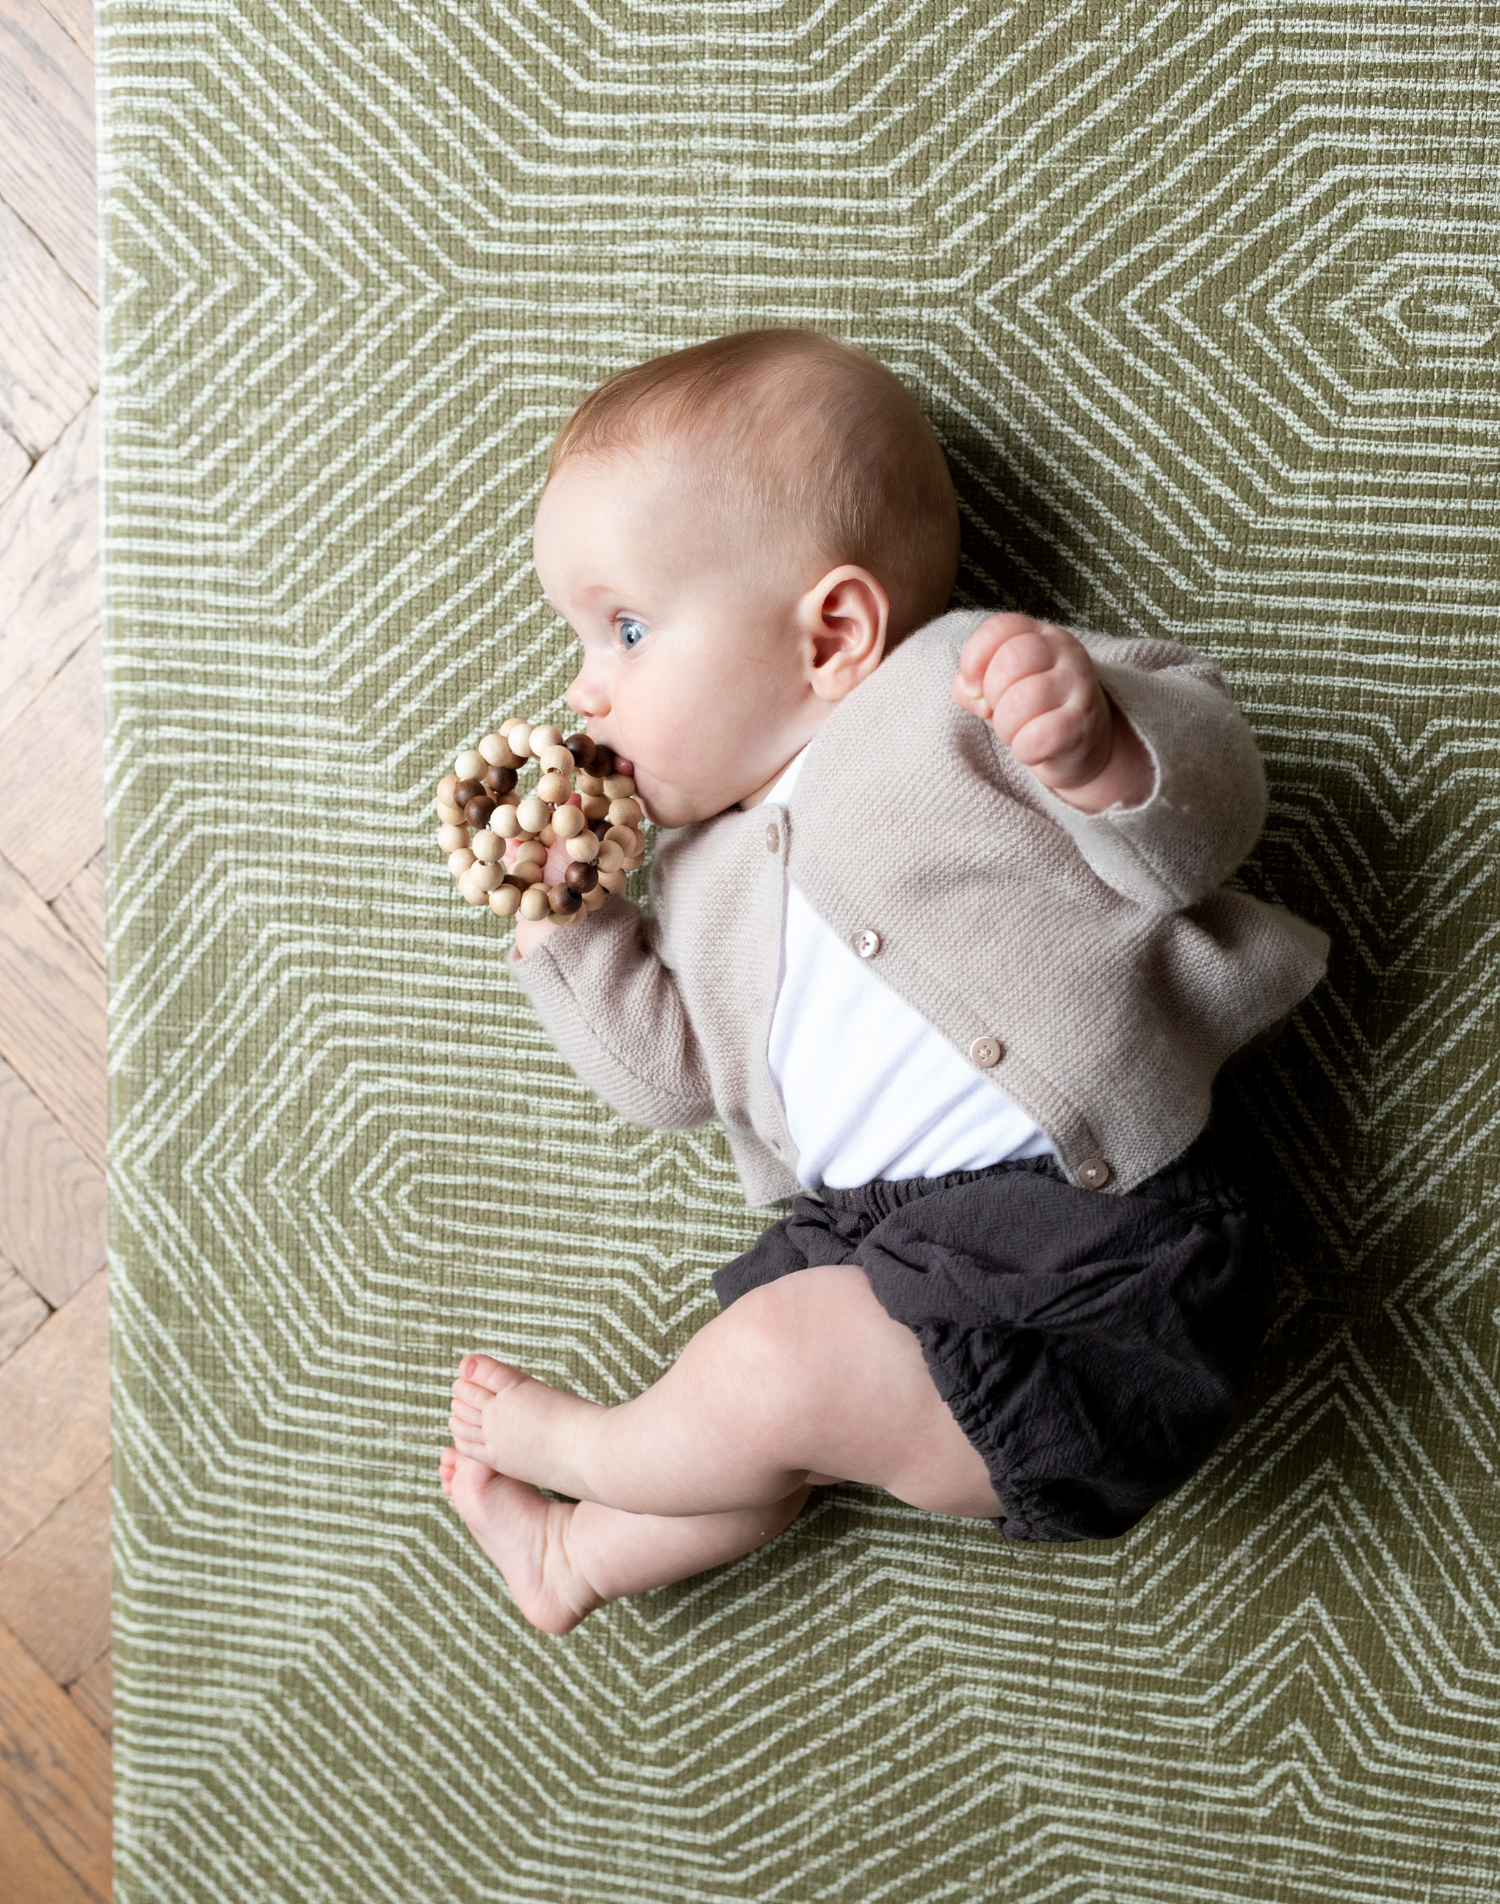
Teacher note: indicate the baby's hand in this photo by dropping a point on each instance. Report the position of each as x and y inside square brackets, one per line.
[1035, 684]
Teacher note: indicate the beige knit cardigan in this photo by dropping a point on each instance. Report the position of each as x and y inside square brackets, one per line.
[1097, 954]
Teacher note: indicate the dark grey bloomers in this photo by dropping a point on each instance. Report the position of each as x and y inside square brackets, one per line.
[1093, 1348]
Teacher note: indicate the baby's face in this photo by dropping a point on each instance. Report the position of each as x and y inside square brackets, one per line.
[693, 660]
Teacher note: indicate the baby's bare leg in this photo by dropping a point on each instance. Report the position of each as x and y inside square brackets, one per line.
[806, 1378]
[562, 1561]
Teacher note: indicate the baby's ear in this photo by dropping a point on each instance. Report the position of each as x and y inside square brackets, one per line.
[844, 617]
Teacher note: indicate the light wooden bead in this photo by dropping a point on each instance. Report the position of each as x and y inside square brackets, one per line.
[541, 738]
[533, 814]
[529, 849]
[504, 822]
[534, 903]
[451, 816]
[505, 900]
[592, 901]
[626, 838]
[557, 760]
[518, 740]
[619, 786]
[547, 836]
[497, 752]
[470, 765]
[505, 727]
[589, 783]
[473, 894]
[486, 878]
[451, 838]
[445, 789]
[459, 861]
[554, 788]
[611, 882]
[568, 822]
[611, 856]
[527, 873]
[594, 807]
[623, 813]
[583, 847]
[488, 847]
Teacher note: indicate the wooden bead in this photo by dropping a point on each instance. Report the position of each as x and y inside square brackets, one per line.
[554, 788]
[625, 837]
[568, 822]
[451, 816]
[466, 790]
[580, 877]
[533, 814]
[623, 813]
[499, 780]
[529, 852]
[505, 726]
[445, 789]
[589, 783]
[611, 856]
[594, 808]
[612, 882]
[603, 762]
[518, 740]
[583, 848]
[592, 901]
[472, 893]
[488, 847]
[619, 786]
[470, 765]
[547, 836]
[567, 918]
[564, 899]
[485, 879]
[460, 860]
[534, 903]
[557, 760]
[528, 873]
[479, 812]
[580, 747]
[504, 822]
[541, 738]
[505, 900]
[451, 838]
[496, 751]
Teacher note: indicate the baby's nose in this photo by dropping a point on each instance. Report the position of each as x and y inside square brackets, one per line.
[586, 698]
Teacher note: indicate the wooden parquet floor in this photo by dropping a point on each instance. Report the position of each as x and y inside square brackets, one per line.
[54, 1344]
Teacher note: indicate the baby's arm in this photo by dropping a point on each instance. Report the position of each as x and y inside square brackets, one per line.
[1141, 753]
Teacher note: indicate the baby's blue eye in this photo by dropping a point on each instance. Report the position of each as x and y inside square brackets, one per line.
[632, 632]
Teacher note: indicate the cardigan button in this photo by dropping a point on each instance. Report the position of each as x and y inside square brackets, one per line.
[986, 1052]
[1094, 1173]
[867, 942]
[773, 839]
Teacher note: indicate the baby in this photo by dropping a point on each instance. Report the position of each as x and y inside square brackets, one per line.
[939, 934]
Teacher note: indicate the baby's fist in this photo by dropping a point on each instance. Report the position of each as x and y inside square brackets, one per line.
[1035, 684]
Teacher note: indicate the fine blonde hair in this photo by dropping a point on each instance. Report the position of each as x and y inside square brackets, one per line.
[796, 434]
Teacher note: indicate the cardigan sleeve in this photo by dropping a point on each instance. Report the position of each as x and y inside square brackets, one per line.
[613, 1009]
[1208, 803]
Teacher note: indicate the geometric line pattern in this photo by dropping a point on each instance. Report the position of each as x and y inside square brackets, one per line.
[1204, 301]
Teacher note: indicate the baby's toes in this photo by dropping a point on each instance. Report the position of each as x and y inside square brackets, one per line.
[468, 1437]
[447, 1462]
[487, 1373]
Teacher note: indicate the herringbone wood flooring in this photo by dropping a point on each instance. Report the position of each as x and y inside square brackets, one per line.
[54, 1472]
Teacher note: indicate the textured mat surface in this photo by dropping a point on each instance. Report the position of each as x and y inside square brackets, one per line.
[1204, 301]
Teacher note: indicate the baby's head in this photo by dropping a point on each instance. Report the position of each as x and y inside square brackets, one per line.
[738, 533]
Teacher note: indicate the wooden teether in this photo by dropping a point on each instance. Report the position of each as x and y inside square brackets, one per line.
[555, 850]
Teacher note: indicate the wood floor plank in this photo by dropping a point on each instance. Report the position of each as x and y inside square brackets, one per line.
[52, 1208]
[22, 1311]
[93, 1694]
[81, 908]
[29, 1872]
[51, 1016]
[49, 563]
[54, 1587]
[47, 156]
[54, 1767]
[49, 366]
[52, 775]
[76, 18]
[54, 1402]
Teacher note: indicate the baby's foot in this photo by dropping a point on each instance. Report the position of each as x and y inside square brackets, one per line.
[516, 1424]
[526, 1538]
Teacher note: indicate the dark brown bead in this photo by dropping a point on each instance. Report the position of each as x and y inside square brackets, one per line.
[603, 763]
[500, 779]
[581, 748]
[560, 899]
[599, 827]
[478, 810]
[467, 790]
[582, 876]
